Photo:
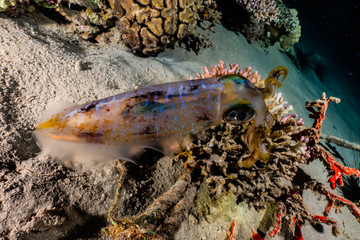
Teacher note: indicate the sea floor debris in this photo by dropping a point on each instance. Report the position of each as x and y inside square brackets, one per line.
[216, 158]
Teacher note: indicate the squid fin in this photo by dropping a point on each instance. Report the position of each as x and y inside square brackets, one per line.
[87, 155]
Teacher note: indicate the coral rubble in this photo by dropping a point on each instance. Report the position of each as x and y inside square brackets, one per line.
[216, 160]
[161, 219]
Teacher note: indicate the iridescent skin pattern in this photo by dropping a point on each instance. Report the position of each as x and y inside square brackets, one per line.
[159, 116]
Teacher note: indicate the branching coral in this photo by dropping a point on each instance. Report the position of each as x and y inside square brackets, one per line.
[217, 158]
[270, 22]
[291, 144]
[221, 69]
[317, 112]
[289, 22]
[263, 10]
[291, 203]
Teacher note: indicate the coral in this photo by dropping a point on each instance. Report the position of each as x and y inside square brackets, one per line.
[288, 41]
[317, 112]
[341, 142]
[271, 24]
[254, 31]
[221, 69]
[216, 160]
[148, 28]
[89, 18]
[289, 22]
[263, 10]
[288, 19]
[302, 182]
[48, 3]
[14, 8]
[6, 4]
[143, 26]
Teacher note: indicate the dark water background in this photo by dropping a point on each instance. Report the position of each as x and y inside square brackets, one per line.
[331, 29]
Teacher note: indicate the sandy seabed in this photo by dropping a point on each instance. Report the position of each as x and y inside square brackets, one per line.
[40, 66]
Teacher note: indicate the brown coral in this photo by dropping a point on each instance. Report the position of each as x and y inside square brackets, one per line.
[87, 19]
[147, 27]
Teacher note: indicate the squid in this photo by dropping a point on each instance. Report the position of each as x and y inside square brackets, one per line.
[160, 117]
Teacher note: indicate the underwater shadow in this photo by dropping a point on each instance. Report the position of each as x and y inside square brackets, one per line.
[318, 227]
[90, 227]
[307, 59]
[232, 22]
[146, 161]
[46, 17]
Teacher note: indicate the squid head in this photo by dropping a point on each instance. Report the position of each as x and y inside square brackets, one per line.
[255, 135]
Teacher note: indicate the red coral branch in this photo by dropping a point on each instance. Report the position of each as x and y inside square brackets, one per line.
[332, 198]
[256, 236]
[318, 115]
[329, 207]
[324, 219]
[277, 225]
[298, 233]
[337, 168]
[232, 236]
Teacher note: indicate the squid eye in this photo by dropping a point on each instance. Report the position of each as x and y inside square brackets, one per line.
[239, 113]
